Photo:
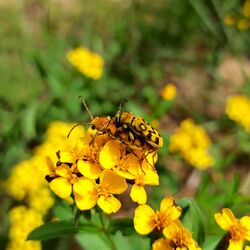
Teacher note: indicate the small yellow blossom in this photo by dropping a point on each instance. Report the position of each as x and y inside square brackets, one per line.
[55, 139]
[168, 92]
[243, 24]
[87, 62]
[238, 110]
[146, 219]
[88, 193]
[24, 178]
[177, 237]
[22, 221]
[192, 142]
[239, 229]
[246, 9]
[41, 200]
[229, 19]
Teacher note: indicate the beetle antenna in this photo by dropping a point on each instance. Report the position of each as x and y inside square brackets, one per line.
[78, 124]
[121, 104]
[86, 107]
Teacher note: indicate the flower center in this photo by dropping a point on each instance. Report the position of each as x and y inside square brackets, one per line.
[237, 232]
[102, 190]
[160, 220]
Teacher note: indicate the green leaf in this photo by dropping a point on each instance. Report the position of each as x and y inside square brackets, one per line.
[60, 228]
[93, 241]
[130, 243]
[212, 242]
[192, 218]
[53, 230]
[29, 120]
[202, 10]
[125, 226]
[63, 211]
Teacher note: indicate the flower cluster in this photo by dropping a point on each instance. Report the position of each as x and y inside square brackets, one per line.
[87, 62]
[26, 184]
[239, 229]
[22, 221]
[242, 20]
[192, 142]
[168, 92]
[99, 167]
[165, 221]
[238, 109]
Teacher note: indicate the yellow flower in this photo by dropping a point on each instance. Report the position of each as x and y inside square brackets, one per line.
[145, 176]
[162, 244]
[85, 156]
[87, 62]
[179, 237]
[192, 142]
[62, 184]
[87, 193]
[239, 229]
[22, 221]
[24, 178]
[55, 139]
[243, 24]
[246, 9]
[238, 109]
[168, 92]
[229, 19]
[146, 219]
[41, 200]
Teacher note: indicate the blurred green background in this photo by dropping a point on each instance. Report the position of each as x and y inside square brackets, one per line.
[145, 44]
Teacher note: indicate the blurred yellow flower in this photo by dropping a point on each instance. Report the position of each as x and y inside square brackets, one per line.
[238, 110]
[246, 9]
[229, 19]
[243, 24]
[86, 61]
[239, 229]
[192, 142]
[168, 92]
[22, 221]
[146, 219]
[24, 179]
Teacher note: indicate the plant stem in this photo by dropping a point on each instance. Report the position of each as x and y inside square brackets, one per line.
[104, 229]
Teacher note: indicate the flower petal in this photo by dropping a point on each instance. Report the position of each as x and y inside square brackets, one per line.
[66, 157]
[225, 219]
[110, 154]
[109, 204]
[61, 186]
[162, 244]
[138, 194]
[151, 178]
[235, 245]
[144, 219]
[85, 193]
[63, 171]
[88, 169]
[245, 222]
[113, 182]
[166, 203]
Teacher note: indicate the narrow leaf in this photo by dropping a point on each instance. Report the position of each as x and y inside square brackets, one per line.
[125, 226]
[212, 242]
[192, 219]
[53, 230]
